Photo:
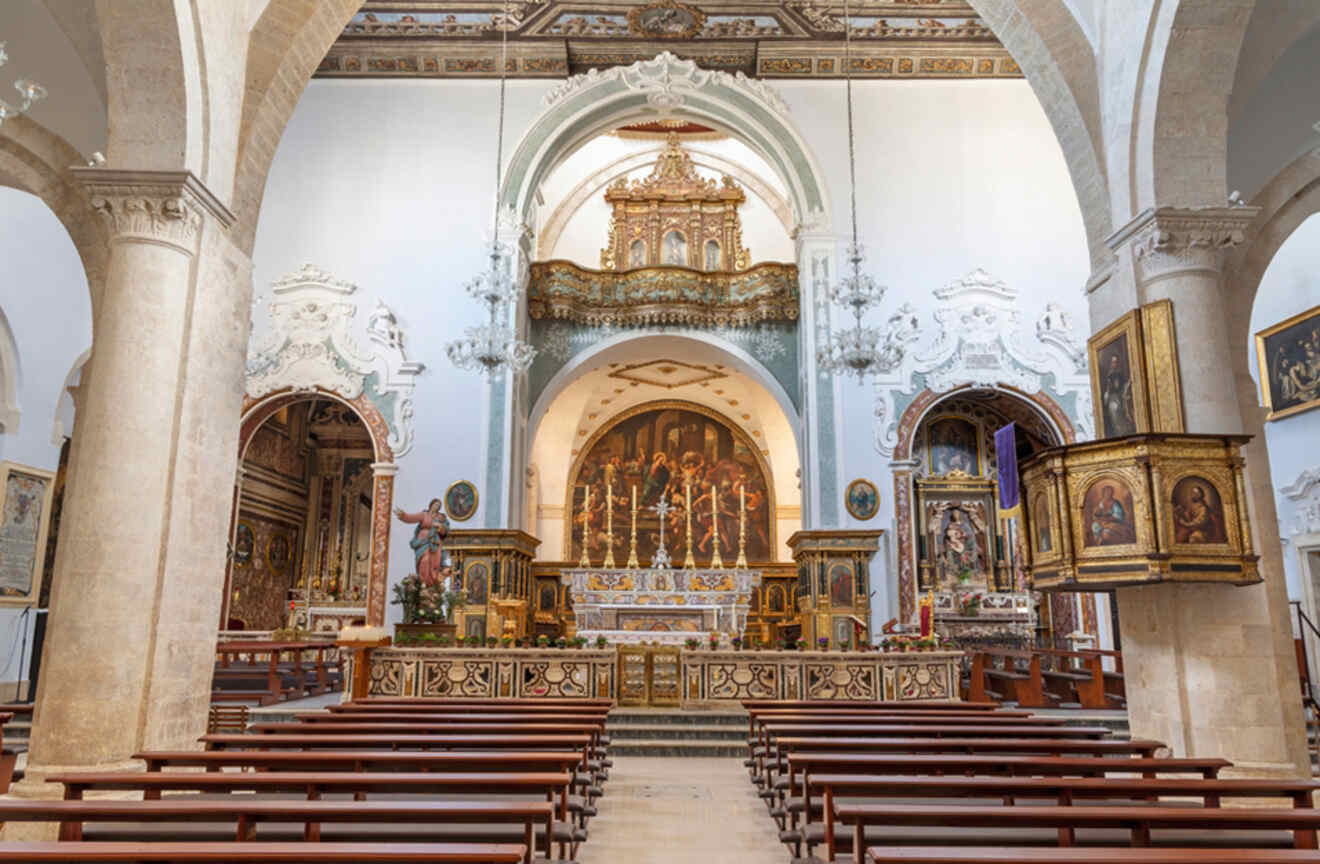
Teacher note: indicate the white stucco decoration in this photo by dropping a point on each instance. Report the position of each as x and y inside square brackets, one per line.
[310, 343]
[983, 343]
[666, 80]
[1303, 495]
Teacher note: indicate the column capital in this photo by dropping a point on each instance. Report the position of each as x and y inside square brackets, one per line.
[384, 469]
[166, 207]
[1166, 240]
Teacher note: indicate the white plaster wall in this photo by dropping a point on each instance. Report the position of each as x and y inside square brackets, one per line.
[1290, 286]
[45, 301]
[390, 185]
[951, 176]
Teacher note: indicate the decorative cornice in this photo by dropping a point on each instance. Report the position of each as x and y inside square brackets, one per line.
[153, 206]
[1298, 489]
[667, 80]
[1170, 238]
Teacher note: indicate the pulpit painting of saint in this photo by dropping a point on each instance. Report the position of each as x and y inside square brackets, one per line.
[952, 444]
[662, 452]
[1107, 514]
[841, 584]
[1041, 520]
[1116, 413]
[428, 536]
[1198, 512]
[675, 249]
[476, 583]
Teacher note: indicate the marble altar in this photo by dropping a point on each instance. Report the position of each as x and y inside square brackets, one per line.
[660, 605]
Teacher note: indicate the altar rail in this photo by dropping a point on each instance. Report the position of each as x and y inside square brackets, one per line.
[707, 678]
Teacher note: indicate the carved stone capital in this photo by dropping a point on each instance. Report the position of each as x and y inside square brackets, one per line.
[166, 207]
[1167, 240]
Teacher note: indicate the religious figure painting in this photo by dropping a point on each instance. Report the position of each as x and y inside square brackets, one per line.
[427, 541]
[22, 529]
[959, 534]
[477, 583]
[676, 452]
[1108, 515]
[1118, 378]
[547, 594]
[675, 249]
[1041, 519]
[277, 553]
[1198, 512]
[637, 254]
[712, 256]
[244, 542]
[461, 501]
[953, 446]
[1289, 358]
[841, 584]
[862, 499]
[775, 598]
[475, 625]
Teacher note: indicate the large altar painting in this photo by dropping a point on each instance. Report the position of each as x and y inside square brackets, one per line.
[661, 452]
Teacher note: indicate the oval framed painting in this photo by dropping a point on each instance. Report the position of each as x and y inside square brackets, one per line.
[245, 542]
[862, 499]
[461, 501]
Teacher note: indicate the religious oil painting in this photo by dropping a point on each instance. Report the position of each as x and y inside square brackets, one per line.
[475, 625]
[1040, 518]
[775, 598]
[277, 553]
[1117, 378]
[23, 521]
[1198, 512]
[461, 501]
[959, 533]
[477, 582]
[244, 542]
[1107, 515]
[547, 594]
[681, 454]
[951, 442]
[1289, 357]
[862, 499]
[841, 583]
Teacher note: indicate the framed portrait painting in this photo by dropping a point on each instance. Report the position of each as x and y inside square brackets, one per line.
[1289, 357]
[25, 502]
[1118, 380]
[862, 499]
[461, 501]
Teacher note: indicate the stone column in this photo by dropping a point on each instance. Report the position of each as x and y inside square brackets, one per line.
[382, 510]
[1210, 669]
[821, 492]
[140, 570]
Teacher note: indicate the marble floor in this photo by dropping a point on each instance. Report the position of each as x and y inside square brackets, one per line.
[675, 811]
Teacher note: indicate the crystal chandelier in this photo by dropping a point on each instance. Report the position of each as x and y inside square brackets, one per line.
[859, 350]
[494, 347]
[30, 91]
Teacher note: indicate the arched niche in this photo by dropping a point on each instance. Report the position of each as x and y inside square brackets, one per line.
[256, 412]
[569, 411]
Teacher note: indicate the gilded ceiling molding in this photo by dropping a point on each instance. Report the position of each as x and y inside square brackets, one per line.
[311, 345]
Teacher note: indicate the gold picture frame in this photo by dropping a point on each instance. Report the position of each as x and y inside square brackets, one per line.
[1280, 351]
[1118, 378]
[862, 499]
[461, 500]
[1160, 344]
[26, 497]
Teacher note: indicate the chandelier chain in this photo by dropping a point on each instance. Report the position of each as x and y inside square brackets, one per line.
[852, 148]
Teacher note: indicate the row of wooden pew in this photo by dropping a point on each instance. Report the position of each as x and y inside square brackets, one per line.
[972, 783]
[371, 781]
[265, 672]
[1048, 678]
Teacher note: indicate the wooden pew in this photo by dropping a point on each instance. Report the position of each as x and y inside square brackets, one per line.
[1139, 821]
[1076, 676]
[283, 680]
[8, 756]
[578, 742]
[827, 789]
[265, 853]
[1004, 682]
[361, 760]
[1084, 855]
[150, 818]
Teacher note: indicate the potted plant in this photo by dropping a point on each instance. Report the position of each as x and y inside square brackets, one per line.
[427, 608]
[491, 641]
[507, 641]
[823, 643]
[474, 641]
[736, 642]
[755, 643]
[802, 644]
[691, 643]
[714, 641]
[561, 642]
[601, 642]
[543, 641]
[781, 644]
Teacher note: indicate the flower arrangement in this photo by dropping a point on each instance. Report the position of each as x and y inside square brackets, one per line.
[561, 642]
[426, 603]
[969, 604]
[542, 641]
[474, 641]
[579, 642]
[736, 642]
[691, 643]
[823, 643]
[714, 641]
[802, 644]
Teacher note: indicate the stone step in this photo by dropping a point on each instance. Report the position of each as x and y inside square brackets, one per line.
[675, 716]
[676, 747]
[677, 731]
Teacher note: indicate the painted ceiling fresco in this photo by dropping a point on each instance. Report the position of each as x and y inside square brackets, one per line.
[760, 38]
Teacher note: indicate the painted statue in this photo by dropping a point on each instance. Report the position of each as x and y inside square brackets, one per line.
[427, 541]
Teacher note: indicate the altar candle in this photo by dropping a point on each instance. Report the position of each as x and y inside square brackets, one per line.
[634, 499]
[742, 500]
[715, 511]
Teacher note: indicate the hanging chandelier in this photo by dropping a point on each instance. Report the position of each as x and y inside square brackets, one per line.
[29, 91]
[859, 350]
[495, 347]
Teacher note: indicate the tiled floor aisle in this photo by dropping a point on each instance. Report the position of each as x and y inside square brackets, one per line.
[675, 811]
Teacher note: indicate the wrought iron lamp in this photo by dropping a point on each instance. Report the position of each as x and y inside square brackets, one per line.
[494, 346]
[860, 350]
[30, 91]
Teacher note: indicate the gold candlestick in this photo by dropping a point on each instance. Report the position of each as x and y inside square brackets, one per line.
[584, 561]
[608, 563]
[716, 562]
[742, 528]
[688, 562]
[632, 545]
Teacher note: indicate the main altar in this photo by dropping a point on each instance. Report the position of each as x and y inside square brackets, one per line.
[660, 605]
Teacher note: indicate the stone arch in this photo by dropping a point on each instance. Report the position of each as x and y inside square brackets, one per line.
[904, 466]
[586, 105]
[1060, 65]
[258, 411]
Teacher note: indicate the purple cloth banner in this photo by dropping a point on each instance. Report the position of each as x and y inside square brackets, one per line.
[1006, 456]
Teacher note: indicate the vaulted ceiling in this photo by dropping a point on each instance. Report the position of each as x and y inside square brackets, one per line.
[760, 38]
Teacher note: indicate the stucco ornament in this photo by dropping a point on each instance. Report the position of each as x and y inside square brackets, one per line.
[983, 343]
[667, 80]
[1303, 497]
[307, 342]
